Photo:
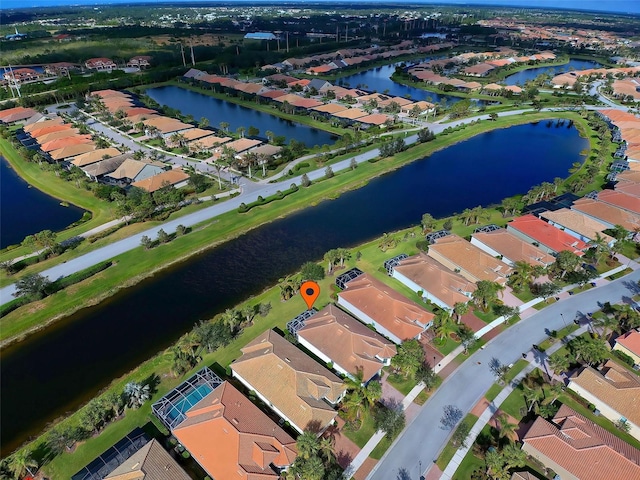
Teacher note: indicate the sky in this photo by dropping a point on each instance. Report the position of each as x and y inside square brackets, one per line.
[621, 6]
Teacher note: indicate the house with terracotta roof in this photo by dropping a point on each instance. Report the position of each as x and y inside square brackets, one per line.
[45, 122]
[351, 114]
[292, 384]
[176, 178]
[608, 214]
[479, 70]
[166, 126]
[242, 144]
[95, 156]
[131, 171]
[67, 132]
[96, 171]
[620, 200]
[140, 61]
[65, 142]
[375, 119]
[578, 225]
[65, 154]
[40, 131]
[100, 64]
[335, 336]
[329, 108]
[575, 448]
[511, 249]
[629, 344]
[16, 114]
[151, 462]
[231, 438]
[438, 284]
[547, 237]
[21, 75]
[455, 253]
[615, 392]
[390, 313]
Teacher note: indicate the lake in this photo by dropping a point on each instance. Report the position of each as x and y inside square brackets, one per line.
[55, 370]
[216, 110]
[379, 79]
[25, 210]
[525, 75]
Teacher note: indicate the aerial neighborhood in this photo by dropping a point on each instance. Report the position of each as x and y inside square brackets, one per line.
[320, 241]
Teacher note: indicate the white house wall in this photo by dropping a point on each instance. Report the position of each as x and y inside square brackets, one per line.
[364, 318]
[416, 288]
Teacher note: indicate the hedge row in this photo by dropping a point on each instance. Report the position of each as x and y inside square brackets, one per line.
[243, 208]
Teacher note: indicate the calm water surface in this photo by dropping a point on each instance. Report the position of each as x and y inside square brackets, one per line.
[379, 79]
[524, 76]
[70, 362]
[216, 110]
[25, 210]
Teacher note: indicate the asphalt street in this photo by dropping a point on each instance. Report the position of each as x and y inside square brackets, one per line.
[421, 442]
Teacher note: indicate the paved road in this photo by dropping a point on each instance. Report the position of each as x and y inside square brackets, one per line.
[251, 191]
[419, 445]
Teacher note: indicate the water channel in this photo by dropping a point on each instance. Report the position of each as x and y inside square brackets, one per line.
[55, 370]
[216, 110]
[525, 75]
[25, 210]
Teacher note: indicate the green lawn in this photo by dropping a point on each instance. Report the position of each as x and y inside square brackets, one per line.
[65, 191]
[404, 386]
[449, 450]
[362, 436]
[381, 448]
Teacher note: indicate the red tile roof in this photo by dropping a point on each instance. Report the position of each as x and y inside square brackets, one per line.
[581, 447]
[619, 199]
[396, 313]
[547, 235]
[232, 438]
[631, 341]
[347, 342]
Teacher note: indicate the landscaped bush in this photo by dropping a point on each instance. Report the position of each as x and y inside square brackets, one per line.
[9, 307]
[624, 357]
[78, 277]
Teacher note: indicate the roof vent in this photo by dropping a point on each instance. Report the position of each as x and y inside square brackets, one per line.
[235, 420]
[136, 465]
[286, 359]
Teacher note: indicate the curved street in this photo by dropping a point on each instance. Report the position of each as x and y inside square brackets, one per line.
[416, 449]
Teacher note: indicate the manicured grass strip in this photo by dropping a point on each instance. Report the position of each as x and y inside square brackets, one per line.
[367, 429]
[58, 188]
[450, 449]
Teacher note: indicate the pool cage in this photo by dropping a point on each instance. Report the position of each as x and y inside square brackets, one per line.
[433, 236]
[114, 456]
[343, 279]
[297, 323]
[171, 408]
[390, 264]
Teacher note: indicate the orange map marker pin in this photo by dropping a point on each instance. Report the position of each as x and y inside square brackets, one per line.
[309, 291]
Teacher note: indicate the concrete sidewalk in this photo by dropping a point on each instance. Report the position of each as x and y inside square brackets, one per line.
[536, 360]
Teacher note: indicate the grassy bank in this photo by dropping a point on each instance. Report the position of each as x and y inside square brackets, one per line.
[138, 264]
[265, 108]
[48, 183]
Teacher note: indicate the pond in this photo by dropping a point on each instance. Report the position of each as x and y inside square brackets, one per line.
[200, 105]
[54, 370]
[525, 75]
[25, 210]
[379, 79]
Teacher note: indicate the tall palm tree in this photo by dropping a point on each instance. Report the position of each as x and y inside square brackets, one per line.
[136, 394]
[460, 309]
[522, 275]
[486, 293]
[21, 463]
[601, 248]
[505, 428]
[224, 126]
[532, 396]
[308, 444]
[326, 450]
[444, 325]
[231, 318]
[607, 323]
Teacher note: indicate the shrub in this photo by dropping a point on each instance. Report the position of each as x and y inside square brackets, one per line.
[243, 208]
[422, 245]
[312, 271]
[305, 180]
[624, 357]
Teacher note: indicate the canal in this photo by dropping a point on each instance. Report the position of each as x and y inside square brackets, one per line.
[25, 210]
[525, 75]
[54, 371]
[200, 105]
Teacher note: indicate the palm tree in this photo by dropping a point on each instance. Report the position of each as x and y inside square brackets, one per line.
[136, 394]
[559, 362]
[240, 131]
[331, 257]
[224, 126]
[308, 444]
[627, 316]
[522, 275]
[21, 463]
[505, 428]
[270, 135]
[326, 449]
[444, 325]
[607, 323]
[509, 206]
[231, 318]
[601, 248]
[466, 216]
[359, 395]
[532, 396]
[486, 293]
[460, 309]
